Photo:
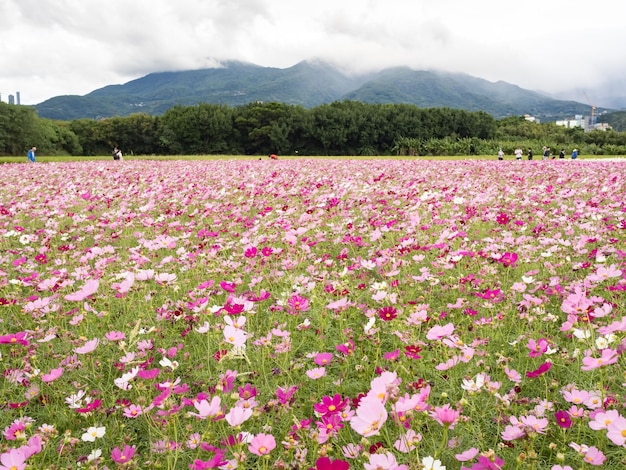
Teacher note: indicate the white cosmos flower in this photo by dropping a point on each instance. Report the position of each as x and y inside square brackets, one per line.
[93, 433]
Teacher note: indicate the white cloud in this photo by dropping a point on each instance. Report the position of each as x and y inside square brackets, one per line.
[50, 48]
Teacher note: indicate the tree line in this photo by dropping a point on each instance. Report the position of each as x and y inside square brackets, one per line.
[338, 128]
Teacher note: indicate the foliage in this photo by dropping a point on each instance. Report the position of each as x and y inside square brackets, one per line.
[340, 128]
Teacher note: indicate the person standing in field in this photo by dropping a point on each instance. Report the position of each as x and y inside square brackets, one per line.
[500, 154]
[546, 153]
[530, 154]
[518, 154]
[117, 154]
[574, 154]
[31, 154]
[562, 153]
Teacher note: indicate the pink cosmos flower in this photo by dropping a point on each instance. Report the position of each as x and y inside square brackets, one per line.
[537, 348]
[607, 357]
[297, 304]
[370, 416]
[90, 288]
[575, 396]
[14, 338]
[88, 347]
[594, 456]
[338, 304]
[542, 369]
[385, 461]
[235, 336]
[316, 373]
[602, 419]
[323, 359]
[133, 411]
[392, 355]
[563, 419]
[52, 375]
[469, 454]
[285, 396]
[237, 415]
[508, 259]
[330, 405]
[387, 313]
[512, 432]
[408, 441]
[115, 336]
[439, 332]
[262, 444]
[534, 424]
[324, 463]
[13, 459]
[124, 287]
[208, 409]
[445, 415]
[513, 375]
[346, 348]
[123, 456]
[616, 431]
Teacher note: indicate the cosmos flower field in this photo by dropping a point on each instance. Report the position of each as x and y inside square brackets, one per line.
[324, 314]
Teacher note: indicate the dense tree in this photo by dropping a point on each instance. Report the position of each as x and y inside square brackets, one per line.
[338, 128]
[19, 130]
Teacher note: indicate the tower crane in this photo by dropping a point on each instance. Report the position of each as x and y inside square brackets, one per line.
[593, 111]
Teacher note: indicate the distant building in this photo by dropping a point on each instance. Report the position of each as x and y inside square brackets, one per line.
[585, 122]
[11, 99]
[17, 97]
[530, 118]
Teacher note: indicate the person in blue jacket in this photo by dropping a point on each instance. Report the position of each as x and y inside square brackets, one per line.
[574, 154]
[31, 154]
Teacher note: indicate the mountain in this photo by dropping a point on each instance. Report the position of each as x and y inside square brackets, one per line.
[308, 84]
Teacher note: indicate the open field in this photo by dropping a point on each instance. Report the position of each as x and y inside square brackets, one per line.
[313, 313]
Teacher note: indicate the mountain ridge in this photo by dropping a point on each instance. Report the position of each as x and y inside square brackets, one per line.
[307, 84]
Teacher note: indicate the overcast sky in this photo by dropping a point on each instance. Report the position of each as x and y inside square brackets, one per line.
[71, 47]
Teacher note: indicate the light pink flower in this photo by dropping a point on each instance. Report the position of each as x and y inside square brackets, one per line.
[469, 454]
[445, 415]
[316, 373]
[88, 347]
[607, 357]
[235, 336]
[369, 417]
[90, 288]
[439, 332]
[238, 415]
[262, 444]
[52, 375]
[602, 419]
[385, 461]
[133, 411]
[616, 431]
[207, 409]
[13, 459]
[115, 336]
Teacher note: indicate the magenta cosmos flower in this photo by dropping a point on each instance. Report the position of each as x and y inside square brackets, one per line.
[14, 338]
[123, 456]
[324, 463]
[543, 368]
[387, 313]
